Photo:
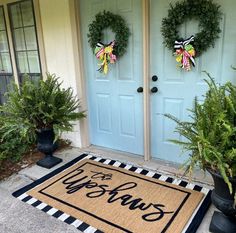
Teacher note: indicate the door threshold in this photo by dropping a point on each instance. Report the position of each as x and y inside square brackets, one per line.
[165, 167]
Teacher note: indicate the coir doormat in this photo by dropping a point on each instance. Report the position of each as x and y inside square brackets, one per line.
[100, 195]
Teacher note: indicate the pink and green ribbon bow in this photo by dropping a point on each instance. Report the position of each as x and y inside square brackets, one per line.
[185, 53]
[105, 55]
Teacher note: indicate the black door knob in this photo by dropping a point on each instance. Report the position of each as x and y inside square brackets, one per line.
[140, 90]
[154, 78]
[154, 90]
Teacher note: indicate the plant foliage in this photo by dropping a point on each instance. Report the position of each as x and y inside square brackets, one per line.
[209, 16]
[12, 144]
[117, 24]
[211, 135]
[46, 105]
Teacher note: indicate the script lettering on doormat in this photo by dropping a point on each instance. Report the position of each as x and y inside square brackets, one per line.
[79, 181]
[115, 200]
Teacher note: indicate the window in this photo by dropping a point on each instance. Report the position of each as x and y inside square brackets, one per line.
[24, 35]
[22, 28]
[6, 75]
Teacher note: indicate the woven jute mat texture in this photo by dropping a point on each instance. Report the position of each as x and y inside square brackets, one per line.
[114, 199]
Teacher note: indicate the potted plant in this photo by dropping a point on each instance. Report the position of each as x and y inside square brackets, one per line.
[42, 110]
[211, 139]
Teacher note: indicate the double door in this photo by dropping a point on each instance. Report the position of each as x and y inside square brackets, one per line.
[115, 101]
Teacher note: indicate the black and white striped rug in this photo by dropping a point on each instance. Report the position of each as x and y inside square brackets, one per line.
[85, 227]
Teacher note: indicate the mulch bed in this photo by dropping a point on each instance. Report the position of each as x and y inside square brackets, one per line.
[9, 167]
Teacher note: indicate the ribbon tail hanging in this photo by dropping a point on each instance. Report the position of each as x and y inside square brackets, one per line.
[193, 61]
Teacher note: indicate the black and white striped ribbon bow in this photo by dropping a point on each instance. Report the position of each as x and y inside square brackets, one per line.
[182, 43]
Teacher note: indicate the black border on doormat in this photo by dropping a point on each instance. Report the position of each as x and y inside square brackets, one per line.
[192, 225]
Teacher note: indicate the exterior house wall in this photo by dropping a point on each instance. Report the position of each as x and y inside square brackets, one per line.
[58, 31]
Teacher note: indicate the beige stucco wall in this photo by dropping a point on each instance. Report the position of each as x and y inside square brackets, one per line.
[57, 31]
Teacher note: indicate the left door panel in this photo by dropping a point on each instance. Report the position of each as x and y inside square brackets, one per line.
[115, 108]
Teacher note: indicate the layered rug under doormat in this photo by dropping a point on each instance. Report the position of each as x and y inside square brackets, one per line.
[101, 195]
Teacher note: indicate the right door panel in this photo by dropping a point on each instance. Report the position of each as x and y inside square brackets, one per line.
[177, 88]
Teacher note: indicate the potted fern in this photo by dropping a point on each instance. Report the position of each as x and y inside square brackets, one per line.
[211, 139]
[42, 110]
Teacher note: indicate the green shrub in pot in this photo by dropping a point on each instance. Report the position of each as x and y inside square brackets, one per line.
[37, 107]
[43, 105]
[211, 133]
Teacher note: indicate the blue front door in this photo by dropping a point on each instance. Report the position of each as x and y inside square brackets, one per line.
[177, 88]
[114, 105]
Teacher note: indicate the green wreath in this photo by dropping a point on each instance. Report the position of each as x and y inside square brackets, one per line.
[209, 16]
[117, 24]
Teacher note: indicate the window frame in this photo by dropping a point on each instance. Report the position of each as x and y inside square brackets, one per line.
[40, 40]
[8, 43]
[6, 75]
[11, 28]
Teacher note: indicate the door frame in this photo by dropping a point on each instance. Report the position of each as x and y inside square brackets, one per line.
[80, 80]
[79, 72]
[146, 78]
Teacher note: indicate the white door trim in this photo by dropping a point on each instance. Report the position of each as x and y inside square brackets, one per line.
[79, 66]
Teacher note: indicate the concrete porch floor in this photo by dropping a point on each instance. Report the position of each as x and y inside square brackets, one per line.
[18, 217]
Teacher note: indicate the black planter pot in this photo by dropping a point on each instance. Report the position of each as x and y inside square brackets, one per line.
[224, 221]
[46, 145]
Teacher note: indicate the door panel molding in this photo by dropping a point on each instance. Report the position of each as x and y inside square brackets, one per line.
[112, 111]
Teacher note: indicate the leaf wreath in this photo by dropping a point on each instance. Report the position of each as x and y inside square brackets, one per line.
[117, 24]
[209, 16]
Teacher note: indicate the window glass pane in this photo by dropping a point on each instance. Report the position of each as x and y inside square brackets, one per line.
[34, 62]
[5, 85]
[35, 78]
[6, 62]
[22, 62]
[19, 39]
[1, 67]
[25, 77]
[3, 42]
[30, 38]
[15, 13]
[27, 13]
[2, 21]
[2, 89]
